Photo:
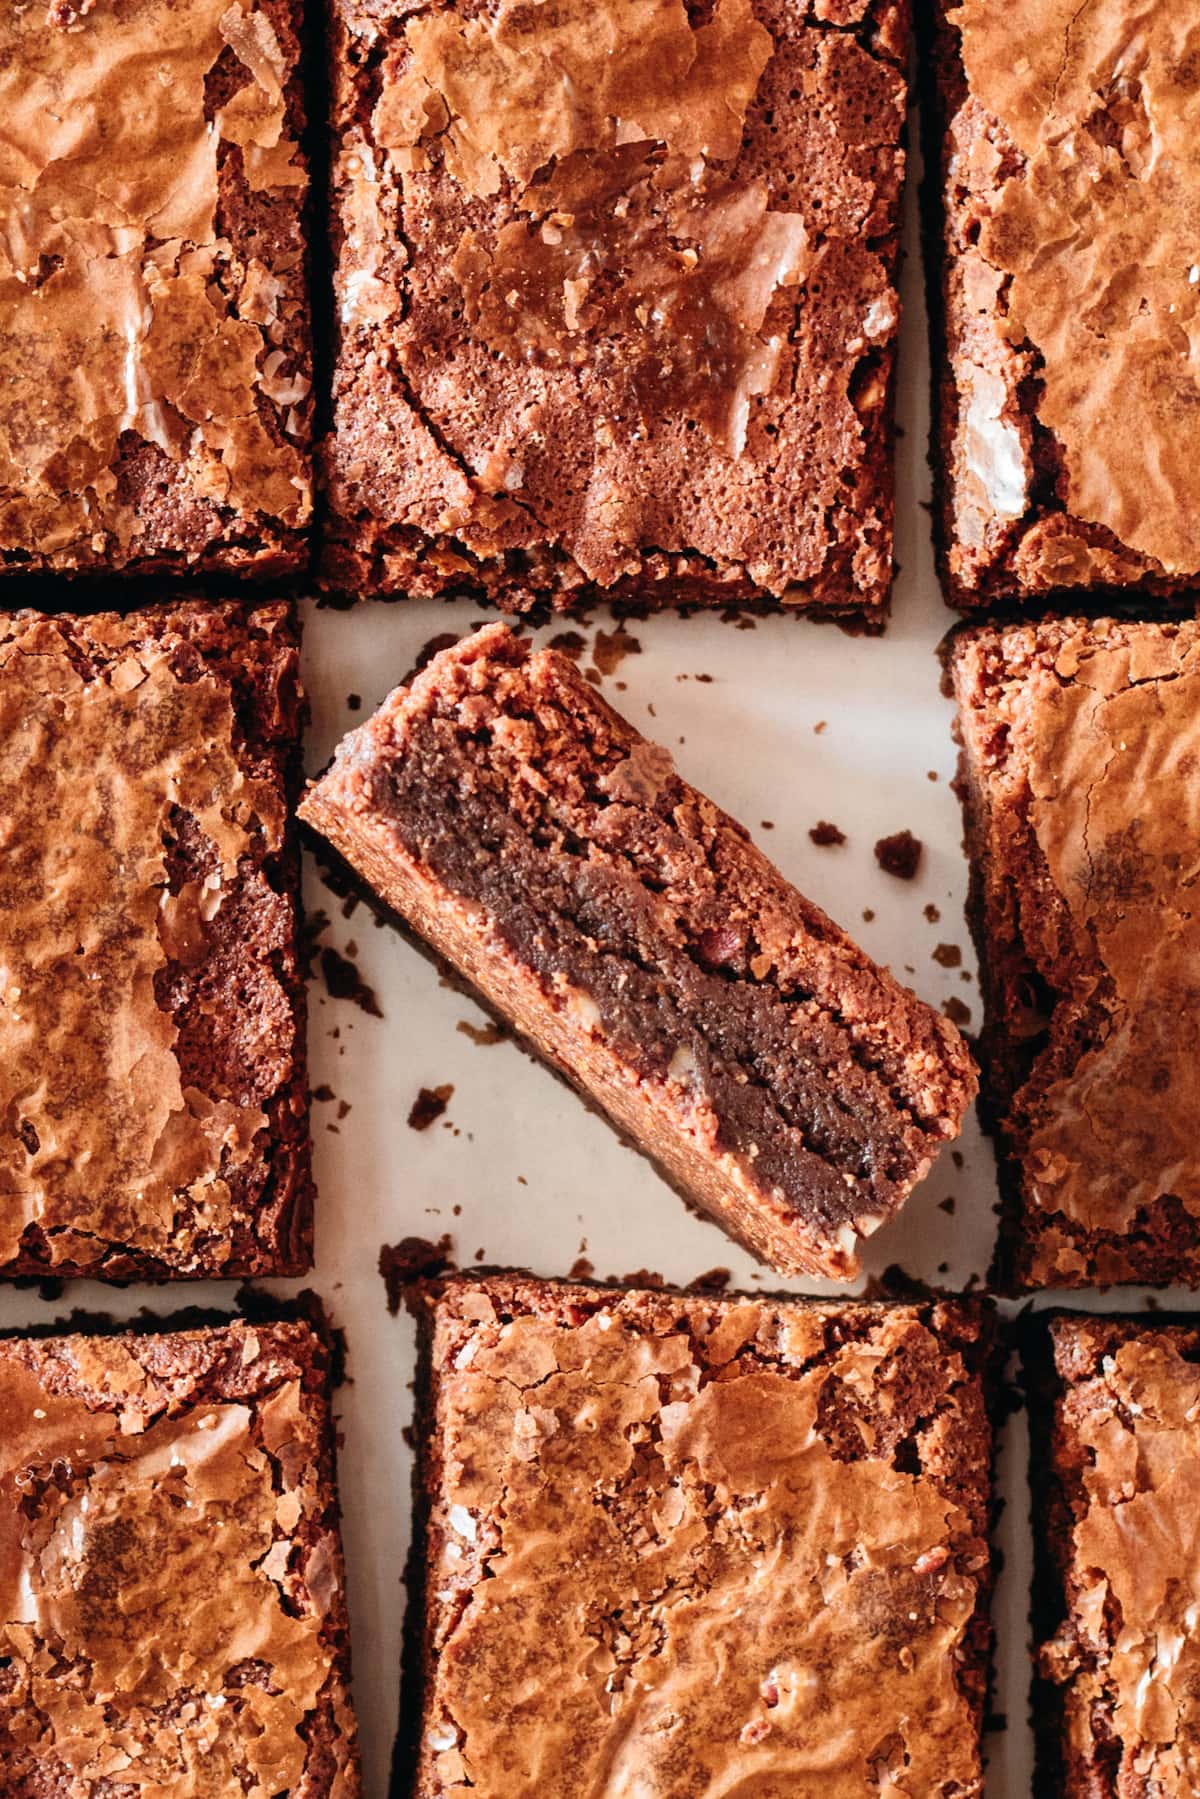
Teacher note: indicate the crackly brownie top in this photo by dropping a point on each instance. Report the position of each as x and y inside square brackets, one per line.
[1088, 248]
[139, 135]
[600, 226]
[1126, 1458]
[684, 1545]
[170, 1577]
[1099, 747]
[118, 738]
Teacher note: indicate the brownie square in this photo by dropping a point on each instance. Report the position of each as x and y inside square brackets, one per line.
[1066, 298]
[638, 939]
[175, 1618]
[1080, 752]
[616, 300]
[155, 410]
[673, 1544]
[153, 1095]
[1115, 1423]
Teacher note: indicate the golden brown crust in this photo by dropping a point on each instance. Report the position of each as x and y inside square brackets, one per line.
[152, 1082]
[697, 1545]
[171, 1583]
[154, 331]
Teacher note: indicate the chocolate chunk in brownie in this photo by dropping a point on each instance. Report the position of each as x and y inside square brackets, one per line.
[1079, 778]
[153, 1095]
[696, 1544]
[636, 936]
[616, 300]
[1115, 1420]
[155, 408]
[1066, 297]
[173, 1594]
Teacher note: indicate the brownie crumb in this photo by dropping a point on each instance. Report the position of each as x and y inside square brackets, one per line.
[948, 955]
[821, 726]
[948, 1205]
[484, 1035]
[956, 1012]
[428, 1106]
[713, 1280]
[868, 915]
[641, 1277]
[611, 648]
[354, 702]
[826, 835]
[766, 824]
[413, 1259]
[899, 855]
[343, 981]
[569, 643]
[932, 914]
[582, 1269]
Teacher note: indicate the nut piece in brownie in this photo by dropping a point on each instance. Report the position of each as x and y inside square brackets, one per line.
[675, 1544]
[636, 936]
[154, 330]
[616, 300]
[1080, 778]
[1067, 299]
[153, 1095]
[173, 1615]
[1115, 1421]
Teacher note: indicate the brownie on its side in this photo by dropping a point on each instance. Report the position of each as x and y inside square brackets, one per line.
[1066, 297]
[616, 300]
[680, 1545]
[153, 1093]
[155, 407]
[637, 937]
[1115, 1419]
[173, 1613]
[1079, 777]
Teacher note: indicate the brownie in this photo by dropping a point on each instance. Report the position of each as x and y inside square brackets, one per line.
[172, 1568]
[1115, 1422]
[633, 933]
[1067, 297]
[678, 1544]
[616, 300]
[153, 1094]
[155, 410]
[1079, 778]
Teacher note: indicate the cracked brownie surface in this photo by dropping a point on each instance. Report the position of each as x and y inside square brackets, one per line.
[1116, 1474]
[686, 1545]
[155, 412]
[638, 938]
[616, 306]
[1065, 366]
[1079, 780]
[153, 1093]
[172, 1608]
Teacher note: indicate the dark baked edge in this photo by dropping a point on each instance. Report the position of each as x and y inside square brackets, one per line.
[308, 1344]
[219, 630]
[979, 1345]
[349, 550]
[941, 87]
[251, 547]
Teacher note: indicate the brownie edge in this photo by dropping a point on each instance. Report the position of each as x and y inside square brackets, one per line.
[686, 1542]
[639, 940]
